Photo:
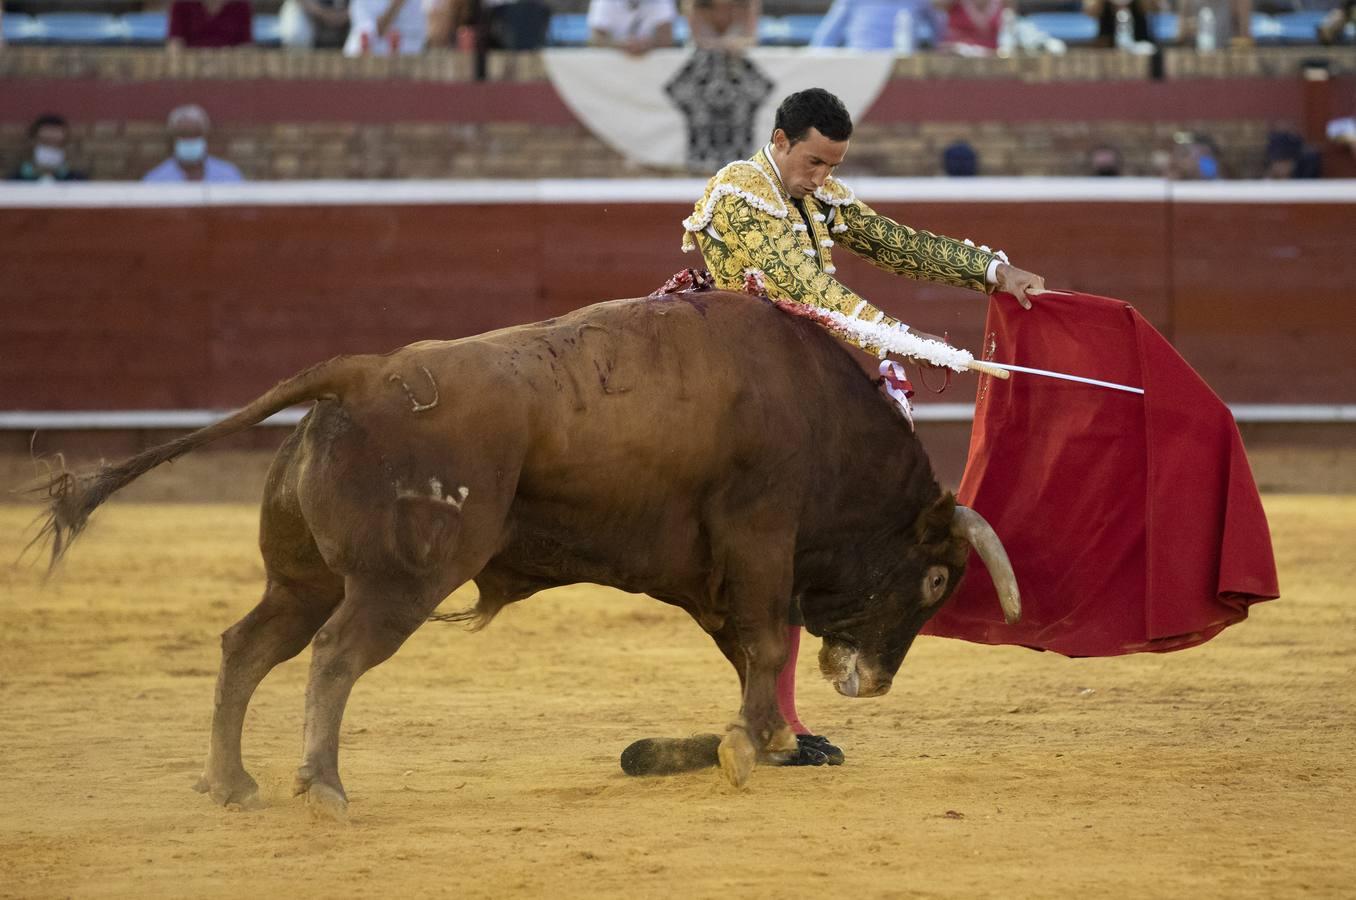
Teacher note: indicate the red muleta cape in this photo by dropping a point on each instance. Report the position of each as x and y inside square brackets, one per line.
[1133, 522]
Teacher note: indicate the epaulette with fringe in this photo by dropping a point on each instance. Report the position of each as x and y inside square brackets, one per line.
[835, 193]
[744, 179]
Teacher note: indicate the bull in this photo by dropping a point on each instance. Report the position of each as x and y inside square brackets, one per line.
[705, 449]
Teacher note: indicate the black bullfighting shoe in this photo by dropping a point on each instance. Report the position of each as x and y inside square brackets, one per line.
[815, 750]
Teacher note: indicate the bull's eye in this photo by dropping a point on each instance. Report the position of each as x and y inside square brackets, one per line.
[934, 584]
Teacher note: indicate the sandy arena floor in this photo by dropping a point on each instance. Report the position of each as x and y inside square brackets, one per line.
[486, 765]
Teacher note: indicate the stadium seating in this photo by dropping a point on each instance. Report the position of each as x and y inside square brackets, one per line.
[571, 29]
[1165, 26]
[568, 30]
[787, 31]
[75, 28]
[146, 27]
[266, 31]
[1287, 28]
[21, 29]
[1069, 27]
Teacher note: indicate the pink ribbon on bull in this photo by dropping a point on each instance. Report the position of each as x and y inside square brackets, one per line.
[897, 387]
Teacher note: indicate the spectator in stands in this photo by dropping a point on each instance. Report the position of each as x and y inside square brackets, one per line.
[452, 24]
[633, 26]
[1105, 161]
[386, 27]
[1233, 21]
[188, 129]
[959, 160]
[48, 136]
[730, 26]
[515, 24]
[1160, 163]
[1193, 158]
[318, 24]
[872, 24]
[971, 25]
[210, 23]
[1208, 158]
[479, 26]
[1106, 12]
[1339, 154]
[1342, 131]
[1339, 26]
[489, 24]
[1288, 157]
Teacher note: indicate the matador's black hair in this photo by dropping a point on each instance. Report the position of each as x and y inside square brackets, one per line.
[814, 108]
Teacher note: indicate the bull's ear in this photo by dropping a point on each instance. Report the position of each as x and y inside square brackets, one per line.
[933, 524]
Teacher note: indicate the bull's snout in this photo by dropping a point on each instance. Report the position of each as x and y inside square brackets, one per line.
[849, 685]
[862, 684]
[844, 666]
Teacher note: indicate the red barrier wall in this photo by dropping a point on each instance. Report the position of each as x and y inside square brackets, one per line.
[1262, 299]
[206, 306]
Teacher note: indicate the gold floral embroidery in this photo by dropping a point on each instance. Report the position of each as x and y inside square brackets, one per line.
[753, 241]
[905, 251]
[745, 221]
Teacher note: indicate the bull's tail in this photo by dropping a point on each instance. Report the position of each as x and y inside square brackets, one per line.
[72, 497]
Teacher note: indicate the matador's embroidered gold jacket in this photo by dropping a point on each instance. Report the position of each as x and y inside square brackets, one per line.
[746, 221]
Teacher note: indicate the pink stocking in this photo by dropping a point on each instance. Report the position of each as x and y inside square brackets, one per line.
[786, 682]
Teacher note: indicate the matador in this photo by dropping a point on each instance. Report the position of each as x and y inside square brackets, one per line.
[776, 219]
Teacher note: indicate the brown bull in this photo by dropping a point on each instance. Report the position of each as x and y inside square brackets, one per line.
[705, 449]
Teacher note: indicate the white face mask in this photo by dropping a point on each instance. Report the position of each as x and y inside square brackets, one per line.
[190, 150]
[46, 157]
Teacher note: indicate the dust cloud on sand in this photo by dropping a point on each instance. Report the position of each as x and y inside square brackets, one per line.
[485, 765]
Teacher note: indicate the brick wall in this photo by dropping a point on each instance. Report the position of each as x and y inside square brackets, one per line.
[1049, 148]
[127, 150]
[113, 150]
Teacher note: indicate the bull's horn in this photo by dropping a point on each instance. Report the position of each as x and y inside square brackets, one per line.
[971, 525]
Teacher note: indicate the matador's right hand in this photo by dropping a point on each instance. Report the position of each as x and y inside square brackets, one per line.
[1019, 283]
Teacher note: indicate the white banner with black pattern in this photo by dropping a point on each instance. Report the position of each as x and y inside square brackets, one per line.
[698, 110]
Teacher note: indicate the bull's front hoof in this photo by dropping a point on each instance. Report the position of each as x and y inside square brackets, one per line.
[669, 756]
[781, 746]
[737, 756]
[327, 804]
[238, 791]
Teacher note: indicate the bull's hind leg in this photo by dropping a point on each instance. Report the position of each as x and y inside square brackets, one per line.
[300, 595]
[437, 546]
[375, 618]
[380, 610]
[276, 630]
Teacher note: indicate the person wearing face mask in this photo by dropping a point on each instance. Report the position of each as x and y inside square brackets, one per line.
[48, 136]
[189, 160]
[773, 219]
